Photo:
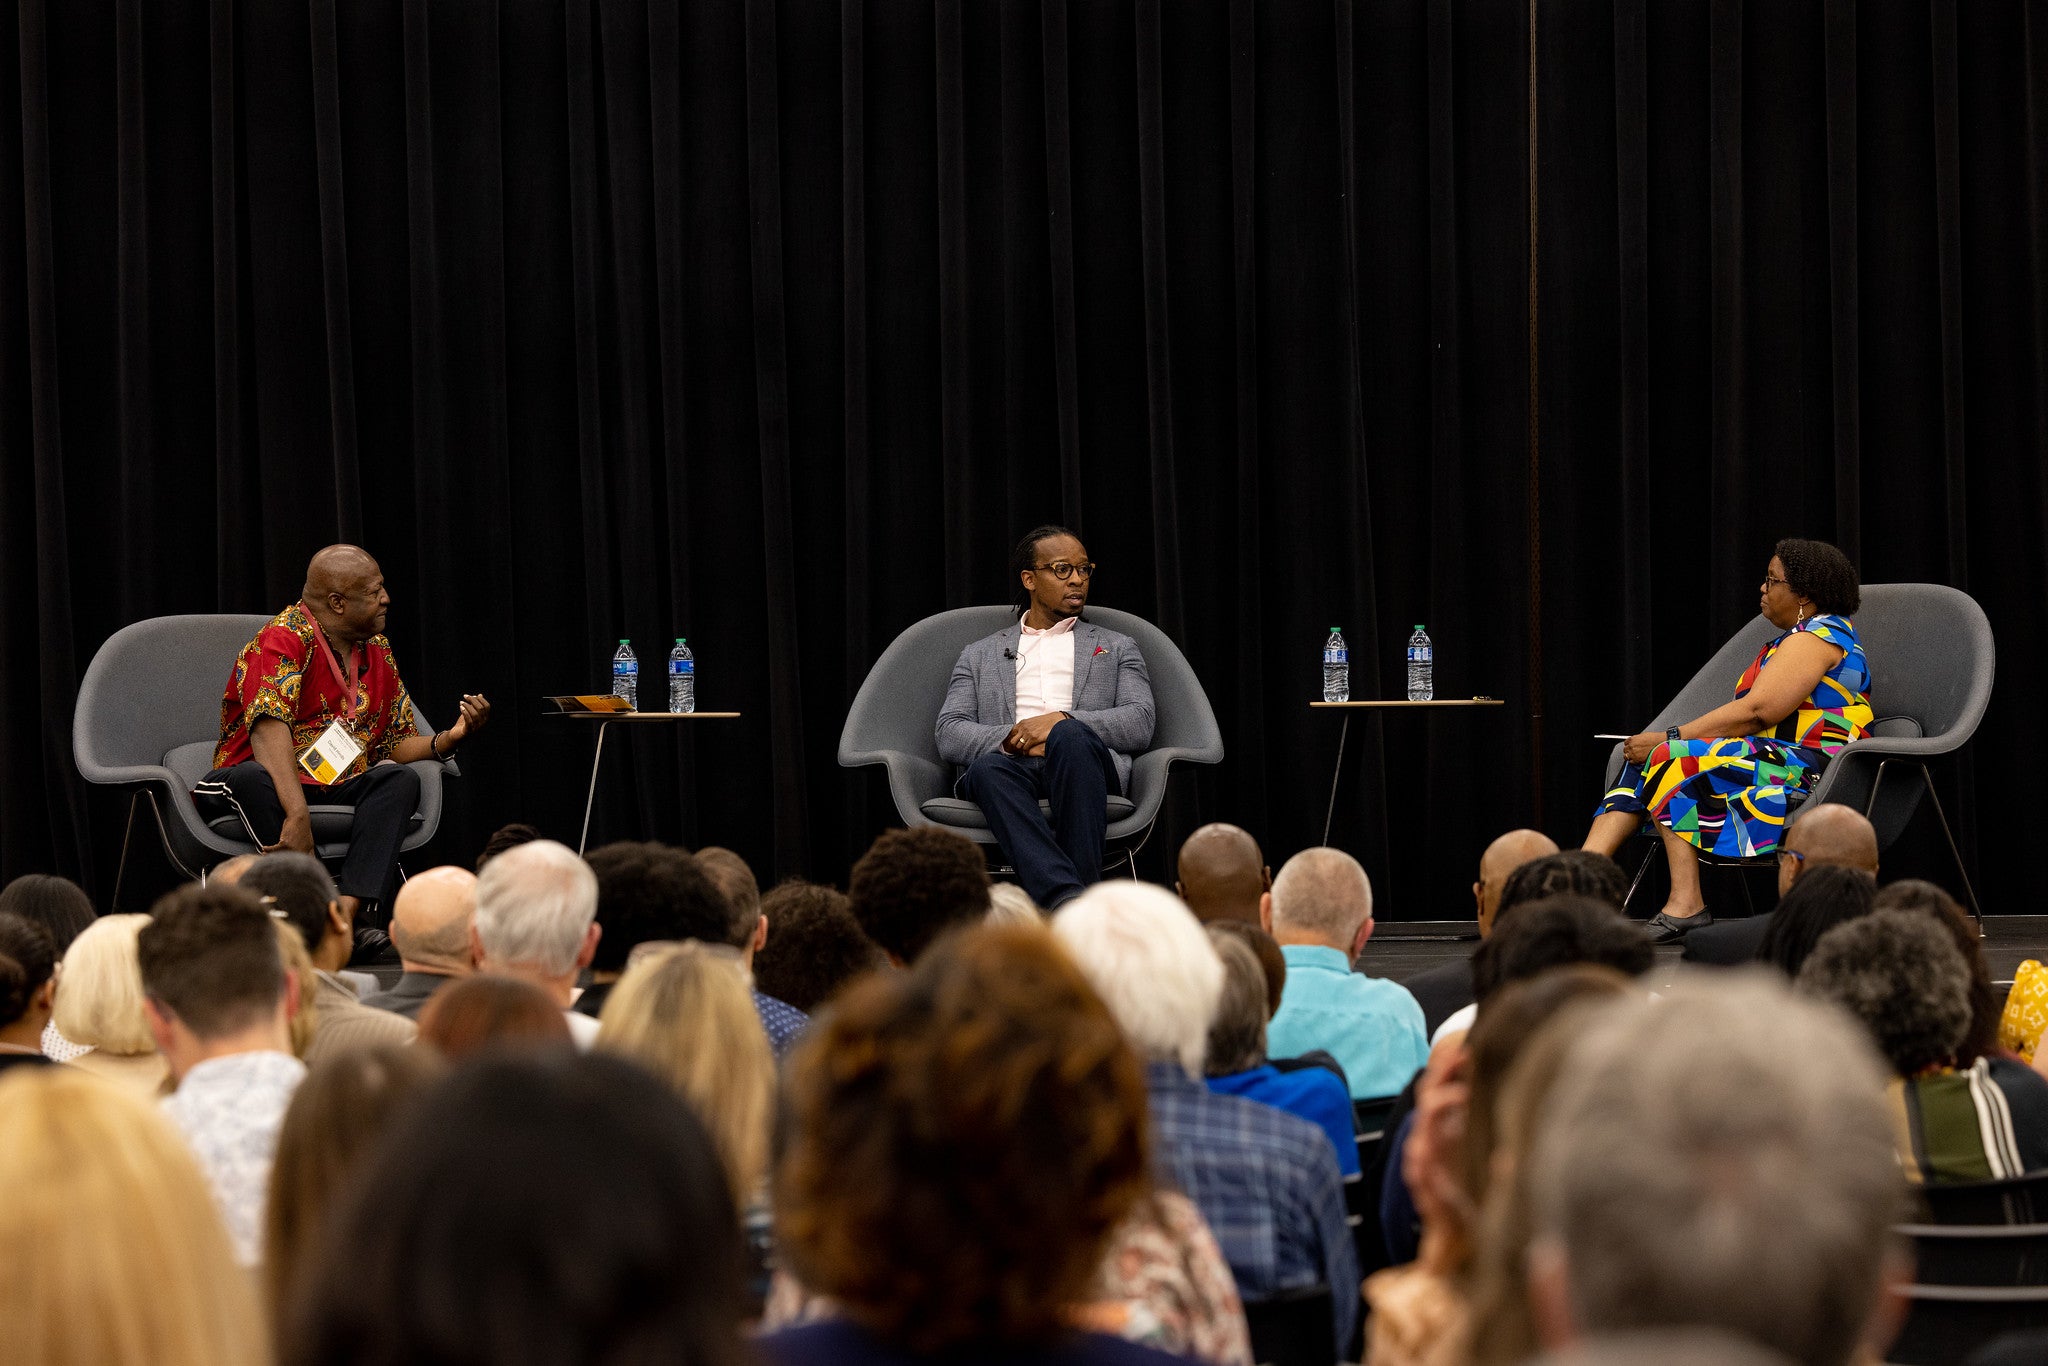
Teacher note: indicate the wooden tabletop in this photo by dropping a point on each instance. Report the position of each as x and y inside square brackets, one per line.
[646, 715]
[1403, 702]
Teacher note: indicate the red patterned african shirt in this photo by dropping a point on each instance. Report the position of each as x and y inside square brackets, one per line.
[284, 673]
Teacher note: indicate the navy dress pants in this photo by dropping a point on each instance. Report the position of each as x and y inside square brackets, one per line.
[1054, 859]
[384, 799]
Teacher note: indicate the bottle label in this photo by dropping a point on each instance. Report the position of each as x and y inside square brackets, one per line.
[625, 668]
[681, 668]
[1336, 656]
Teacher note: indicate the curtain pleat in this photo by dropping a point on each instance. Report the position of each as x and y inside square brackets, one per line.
[956, 410]
[1844, 275]
[341, 370]
[1632, 380]
[1247, 524]
[1729, 437]
[237, 555]
[1059, 188]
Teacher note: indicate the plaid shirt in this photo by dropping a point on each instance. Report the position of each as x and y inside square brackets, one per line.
[1267, 1183]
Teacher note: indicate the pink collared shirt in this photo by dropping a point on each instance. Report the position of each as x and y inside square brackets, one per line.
[1045, 669]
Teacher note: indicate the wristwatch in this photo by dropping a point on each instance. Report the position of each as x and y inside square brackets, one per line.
[1672, 735]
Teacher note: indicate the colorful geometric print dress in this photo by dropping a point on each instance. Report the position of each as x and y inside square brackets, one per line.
[1730, 797]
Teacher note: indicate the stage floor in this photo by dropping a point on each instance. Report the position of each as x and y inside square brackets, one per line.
[1401, 949]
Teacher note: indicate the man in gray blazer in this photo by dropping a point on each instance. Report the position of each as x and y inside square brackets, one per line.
[1053, 707]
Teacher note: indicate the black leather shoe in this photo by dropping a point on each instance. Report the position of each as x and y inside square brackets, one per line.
[373, 946]
[1666, 929]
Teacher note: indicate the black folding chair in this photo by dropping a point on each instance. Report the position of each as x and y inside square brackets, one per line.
[1293, 1329]
[1979, 1254]
[1946, 1323]
[2014, 1200]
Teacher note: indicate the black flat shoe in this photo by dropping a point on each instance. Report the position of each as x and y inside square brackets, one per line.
[1666, 929]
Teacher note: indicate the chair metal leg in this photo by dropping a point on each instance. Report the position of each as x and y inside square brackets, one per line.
[121, 869]
[1335, 773]
[1954, 852]
[1742, 881]
[164, 834]
[1642, 870]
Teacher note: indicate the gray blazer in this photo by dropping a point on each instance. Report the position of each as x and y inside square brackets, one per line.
[1112, 696]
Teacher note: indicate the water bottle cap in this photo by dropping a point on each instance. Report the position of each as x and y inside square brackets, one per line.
[1418, 626]
[1333, 630]
[679, 640]
[622, 640]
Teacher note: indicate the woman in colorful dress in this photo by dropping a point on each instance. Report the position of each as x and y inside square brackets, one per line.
[1725, 782]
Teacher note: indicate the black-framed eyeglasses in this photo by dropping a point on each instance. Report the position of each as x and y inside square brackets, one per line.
[1768, 581]
[1063, 571]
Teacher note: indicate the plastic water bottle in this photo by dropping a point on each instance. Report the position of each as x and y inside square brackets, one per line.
[626, 675]
[1421, 667]
[682, 677]
[1336, 668]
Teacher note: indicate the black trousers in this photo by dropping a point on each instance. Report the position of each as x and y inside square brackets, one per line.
[384, 799]
[1054, 860]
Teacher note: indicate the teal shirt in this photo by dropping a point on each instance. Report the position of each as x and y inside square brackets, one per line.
[1373, 1027]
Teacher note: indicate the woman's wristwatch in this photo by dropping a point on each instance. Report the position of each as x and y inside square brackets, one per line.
[1672, 735]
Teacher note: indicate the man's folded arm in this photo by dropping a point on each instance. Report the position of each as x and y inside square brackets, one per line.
[961, 735]
[1127, 726]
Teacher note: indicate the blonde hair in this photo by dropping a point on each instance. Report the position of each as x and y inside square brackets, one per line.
[291, 945]
[99, 993]
[1009, 904]
[118, 1252]
[686, 1015]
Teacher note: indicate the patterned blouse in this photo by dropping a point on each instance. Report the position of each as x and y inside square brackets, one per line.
[284, 674]
[1839, 709]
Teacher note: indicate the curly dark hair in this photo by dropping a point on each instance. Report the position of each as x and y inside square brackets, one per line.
[1899, 973]
[993, 1045]
[1816, 570]
[1916, 894]
[653, 891]
[1575, 871]
[814, 947]
[1823, 898]
[506, 837]
[1024, 555]
[1553, 933]
[911, 886]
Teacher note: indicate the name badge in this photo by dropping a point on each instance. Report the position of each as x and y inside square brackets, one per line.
[327, 758]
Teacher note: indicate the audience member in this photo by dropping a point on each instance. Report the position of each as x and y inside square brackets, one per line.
[536, 918]
[342, 1107]
[911, 886]
[487, 1012]
[1009, 904]
[298, 888]
[686, 1014]
[1320, 909]
[219, 1004]
[298, 965]
[506, 837]
[749, 933]
[1557, 932]
[599, 1230]
[818, 947]
[1925, 898]
[115, 1255]
[1222, 874]
[1163, 1283]
[1822, 899]
[1900, 973]
[930, 1257]
[228, 872]
[648, 893]
[28, 972]
[1266, 1181]
[60, 906]
[1577, 872]
[1718, 1158]
[1237, 1063]
[430, 919]
[99, 1004]
[1445, 989]
[1827, 836]
[1266, 949]
[1419, 1306]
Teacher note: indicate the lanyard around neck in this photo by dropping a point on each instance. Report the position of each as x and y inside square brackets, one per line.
[348, 680]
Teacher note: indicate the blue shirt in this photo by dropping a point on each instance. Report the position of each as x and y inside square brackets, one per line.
[1313, 1093]
[837, 1342]
[782, 1021]
[1371, 1026]
[1268, 1185]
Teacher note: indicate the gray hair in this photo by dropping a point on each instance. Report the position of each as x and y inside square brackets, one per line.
[1148, 958]
[1900, 973]
[1721, 1157]
[534, 904]
[1324, 892]
[1009, 904]
[1237, 1036]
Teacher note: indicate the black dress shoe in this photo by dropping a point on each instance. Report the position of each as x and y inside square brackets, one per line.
[1667, 929]
[372, 946]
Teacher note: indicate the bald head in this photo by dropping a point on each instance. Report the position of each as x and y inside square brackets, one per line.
[1502, 857]
[345, 592]
[1223, 874]
[337, 569]
[1322, 896]
[1830, 834]
[430, 921]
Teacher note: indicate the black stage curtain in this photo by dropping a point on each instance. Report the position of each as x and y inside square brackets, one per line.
[773, 322]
